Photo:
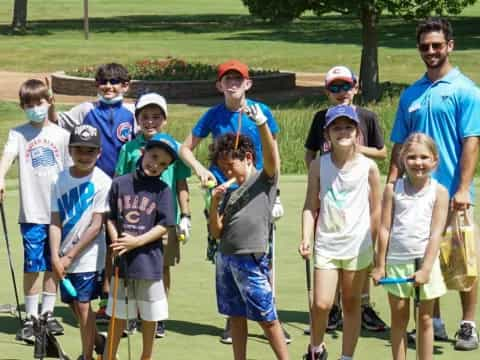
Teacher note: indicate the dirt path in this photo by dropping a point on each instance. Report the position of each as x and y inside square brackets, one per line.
[308, 84]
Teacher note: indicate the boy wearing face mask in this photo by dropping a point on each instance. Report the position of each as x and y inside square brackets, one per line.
[109, 114]
[41, 149]
[114, 119]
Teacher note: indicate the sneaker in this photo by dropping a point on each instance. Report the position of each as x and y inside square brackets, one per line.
[160, 333]
[131, 328]
[440, 333]
[334, 318]
[467, 337]
[226, 337]
[317, 356]
[307, 331]
[101, 316]
[53, 325]
[26, 332]
[100, 343]
[370, 319]
[288, 338]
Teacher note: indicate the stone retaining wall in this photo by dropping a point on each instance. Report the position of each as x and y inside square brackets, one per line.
[73, 85]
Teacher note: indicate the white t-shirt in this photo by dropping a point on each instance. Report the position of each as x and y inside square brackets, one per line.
[412, 218]
[42, 153]
[343, 226]
[76, 200]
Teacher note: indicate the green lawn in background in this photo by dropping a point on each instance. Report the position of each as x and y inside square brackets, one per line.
[195, 327]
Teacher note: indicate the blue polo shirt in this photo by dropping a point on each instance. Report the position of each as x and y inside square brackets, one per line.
[448, 110]
[219, 120]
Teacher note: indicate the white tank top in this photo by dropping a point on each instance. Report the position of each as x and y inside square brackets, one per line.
[412, 217]
[343, 226]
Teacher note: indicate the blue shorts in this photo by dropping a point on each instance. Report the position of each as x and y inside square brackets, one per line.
[36, 248]
[243, 287]
[87, 284]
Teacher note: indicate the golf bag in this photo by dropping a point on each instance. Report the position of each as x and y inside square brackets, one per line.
[46, 344]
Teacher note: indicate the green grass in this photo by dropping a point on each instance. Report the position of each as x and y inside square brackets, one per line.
[195, 325]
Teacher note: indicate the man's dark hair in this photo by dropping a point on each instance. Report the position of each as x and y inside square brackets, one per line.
[435, 24]
[112, 71]
[224, 147]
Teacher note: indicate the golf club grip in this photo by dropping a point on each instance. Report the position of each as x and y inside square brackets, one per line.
[67, 285]
[391, 281]
[308, 274]
[418, 265]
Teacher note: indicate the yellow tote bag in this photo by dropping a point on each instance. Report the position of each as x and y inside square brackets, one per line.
[458, 253]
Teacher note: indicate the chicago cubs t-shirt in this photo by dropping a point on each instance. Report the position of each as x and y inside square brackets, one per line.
[140, 203]
[115, 122]
[77, 200]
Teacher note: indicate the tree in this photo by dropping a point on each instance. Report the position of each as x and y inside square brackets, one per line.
[368, 12]
[19, 21]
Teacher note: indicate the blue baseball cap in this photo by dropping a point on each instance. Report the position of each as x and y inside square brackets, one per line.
[340, 111]
[165, 142]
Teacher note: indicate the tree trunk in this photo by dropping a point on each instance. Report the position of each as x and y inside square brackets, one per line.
[19, 22]
[369, 80]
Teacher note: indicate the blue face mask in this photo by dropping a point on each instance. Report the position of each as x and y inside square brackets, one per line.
[115, 100]
[37, 114]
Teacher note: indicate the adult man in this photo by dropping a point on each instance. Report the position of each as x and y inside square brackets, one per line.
[444, 104]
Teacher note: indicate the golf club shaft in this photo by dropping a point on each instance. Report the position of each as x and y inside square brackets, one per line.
[10, 261]
[111, 327]
[418, 264]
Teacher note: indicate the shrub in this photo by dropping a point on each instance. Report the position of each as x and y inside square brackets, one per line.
[166, 69]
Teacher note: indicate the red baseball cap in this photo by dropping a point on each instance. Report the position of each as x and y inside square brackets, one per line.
[232, 65]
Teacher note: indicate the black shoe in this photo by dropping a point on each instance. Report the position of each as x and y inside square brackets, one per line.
[317, 356]
[226, 337]
[26, 332]
[370, 319]
[467, 338]
[288, 338]
[160, 333]
[334, 318]
[131, 329]
[53, 325]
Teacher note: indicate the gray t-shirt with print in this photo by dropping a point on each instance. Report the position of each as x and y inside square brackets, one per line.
[247, 215]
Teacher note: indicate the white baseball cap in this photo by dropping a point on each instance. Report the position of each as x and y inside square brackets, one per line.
[151, 99]
[340, 73]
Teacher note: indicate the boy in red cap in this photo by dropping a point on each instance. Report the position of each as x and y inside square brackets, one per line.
[233, 80]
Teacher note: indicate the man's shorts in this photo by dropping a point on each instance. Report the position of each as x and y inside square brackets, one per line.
[87, 284]
[360, 262]
[431, 290]
[243, 287]
[147, 297]
[171, 247]
[36, 247]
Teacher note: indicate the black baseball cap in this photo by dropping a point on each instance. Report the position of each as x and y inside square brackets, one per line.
[85, 135]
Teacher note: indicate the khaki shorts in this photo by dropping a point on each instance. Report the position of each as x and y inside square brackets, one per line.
[171, 247]
[431, 290]
[360, 262]
[145, 297]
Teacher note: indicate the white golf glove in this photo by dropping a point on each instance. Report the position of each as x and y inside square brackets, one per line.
[277, 210]
[184, 228]
[256, 114]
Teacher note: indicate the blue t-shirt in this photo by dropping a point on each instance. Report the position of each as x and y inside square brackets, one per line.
[140, 203]
[219, 120]
[447, 110]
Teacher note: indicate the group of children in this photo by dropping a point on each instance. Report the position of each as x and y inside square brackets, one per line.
[104, 195]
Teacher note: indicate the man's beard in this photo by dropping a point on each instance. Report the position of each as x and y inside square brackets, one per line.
[439, 64]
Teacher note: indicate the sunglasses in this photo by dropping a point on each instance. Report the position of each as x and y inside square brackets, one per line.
[336, 88]
[435, 46]
[111, 81]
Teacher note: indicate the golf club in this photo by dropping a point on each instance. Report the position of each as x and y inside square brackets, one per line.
[10, 261]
